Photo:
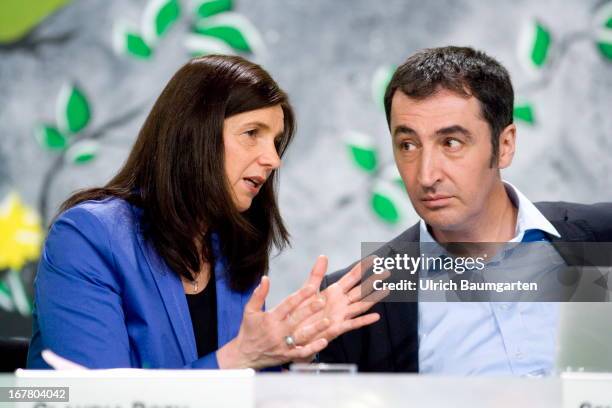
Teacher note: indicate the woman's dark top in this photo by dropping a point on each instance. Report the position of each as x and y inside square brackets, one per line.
[203, 311]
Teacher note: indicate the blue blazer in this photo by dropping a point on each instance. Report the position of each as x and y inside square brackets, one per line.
[104, 298]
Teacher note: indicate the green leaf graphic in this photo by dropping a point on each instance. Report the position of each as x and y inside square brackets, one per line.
[4, 288]
[6, 300]
[605, 48]
[541, 45]
[364, 158]
[83, 152]
[524, 112]
[230, 35]
[136, 46]
[384, 207]
[50, 138]
[362, 150]
[167, 15]
[234, 29]
[534, 46]
[158, 17]
[603, 31]
[199, 45]
[127, 40]
[209, 8]
[73, 111]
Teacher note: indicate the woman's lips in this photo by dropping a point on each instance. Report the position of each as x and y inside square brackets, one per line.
[437, 201]
[252, 184]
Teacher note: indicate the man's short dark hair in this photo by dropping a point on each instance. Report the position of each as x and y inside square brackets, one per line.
[462, 70]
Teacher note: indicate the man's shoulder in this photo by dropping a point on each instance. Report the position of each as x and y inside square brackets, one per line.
[409, 235]
[563, 210]
[595, 217]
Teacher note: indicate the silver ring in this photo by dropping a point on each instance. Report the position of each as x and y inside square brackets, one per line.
[290, 341]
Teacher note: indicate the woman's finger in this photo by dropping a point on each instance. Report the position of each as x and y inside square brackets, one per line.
[258, 298]
[288, 305]
[364, 289]
[358, 322]
[316, 274]
[305, 334]
[363, 306]
[305, 310]
[349, 280]
[307, 350]
[318, 271]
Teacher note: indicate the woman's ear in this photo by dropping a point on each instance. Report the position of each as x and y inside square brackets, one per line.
[507, 145]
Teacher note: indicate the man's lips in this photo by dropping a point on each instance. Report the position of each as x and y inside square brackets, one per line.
[436, 200]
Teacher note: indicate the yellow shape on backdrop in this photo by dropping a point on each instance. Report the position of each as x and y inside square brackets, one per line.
[20, 233]
[19, 17]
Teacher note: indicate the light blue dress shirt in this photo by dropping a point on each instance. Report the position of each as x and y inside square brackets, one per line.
[490, 338]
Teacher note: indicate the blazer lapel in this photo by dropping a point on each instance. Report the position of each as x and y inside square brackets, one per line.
[571, 231]
[173, 296]
[230, 303]
[402, 317]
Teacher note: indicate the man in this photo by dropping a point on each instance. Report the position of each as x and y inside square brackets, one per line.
[449, 111]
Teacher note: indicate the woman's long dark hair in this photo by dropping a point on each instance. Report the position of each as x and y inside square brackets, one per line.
[176, 171]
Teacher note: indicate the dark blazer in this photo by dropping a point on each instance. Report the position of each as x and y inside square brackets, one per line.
[391, 344]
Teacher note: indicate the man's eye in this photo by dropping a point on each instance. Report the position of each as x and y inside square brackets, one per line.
[251, 133]
[407, 146]
[453, 144]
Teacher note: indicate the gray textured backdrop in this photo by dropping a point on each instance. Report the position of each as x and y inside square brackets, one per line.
[324, 54]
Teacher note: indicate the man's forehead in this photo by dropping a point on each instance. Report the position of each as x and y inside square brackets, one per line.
[441, 100]
[443, 108]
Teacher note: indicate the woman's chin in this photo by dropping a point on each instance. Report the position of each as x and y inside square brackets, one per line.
[244, 205]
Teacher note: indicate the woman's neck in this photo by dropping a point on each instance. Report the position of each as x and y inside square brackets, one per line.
[200, 280]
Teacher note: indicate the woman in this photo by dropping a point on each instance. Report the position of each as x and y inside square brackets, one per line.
[164, 267]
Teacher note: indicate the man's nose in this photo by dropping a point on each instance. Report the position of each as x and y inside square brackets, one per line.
[429, 169]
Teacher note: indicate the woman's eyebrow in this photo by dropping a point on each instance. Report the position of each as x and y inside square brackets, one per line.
[258, 124]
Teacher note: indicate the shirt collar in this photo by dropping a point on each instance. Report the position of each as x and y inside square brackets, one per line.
[529, 217]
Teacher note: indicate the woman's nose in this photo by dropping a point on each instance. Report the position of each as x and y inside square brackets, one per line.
[269, 157]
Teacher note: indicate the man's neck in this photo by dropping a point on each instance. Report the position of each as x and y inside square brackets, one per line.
[497, 223]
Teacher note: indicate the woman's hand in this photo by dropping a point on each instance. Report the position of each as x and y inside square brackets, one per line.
[261, 341]
[346, 300]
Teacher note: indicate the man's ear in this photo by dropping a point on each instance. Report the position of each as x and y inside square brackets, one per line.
[507, 145]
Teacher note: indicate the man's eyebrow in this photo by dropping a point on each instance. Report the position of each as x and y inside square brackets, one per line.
[453, 129]
[403, 129]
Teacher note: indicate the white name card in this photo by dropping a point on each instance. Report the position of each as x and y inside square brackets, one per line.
[129, 388]
[587, 390]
